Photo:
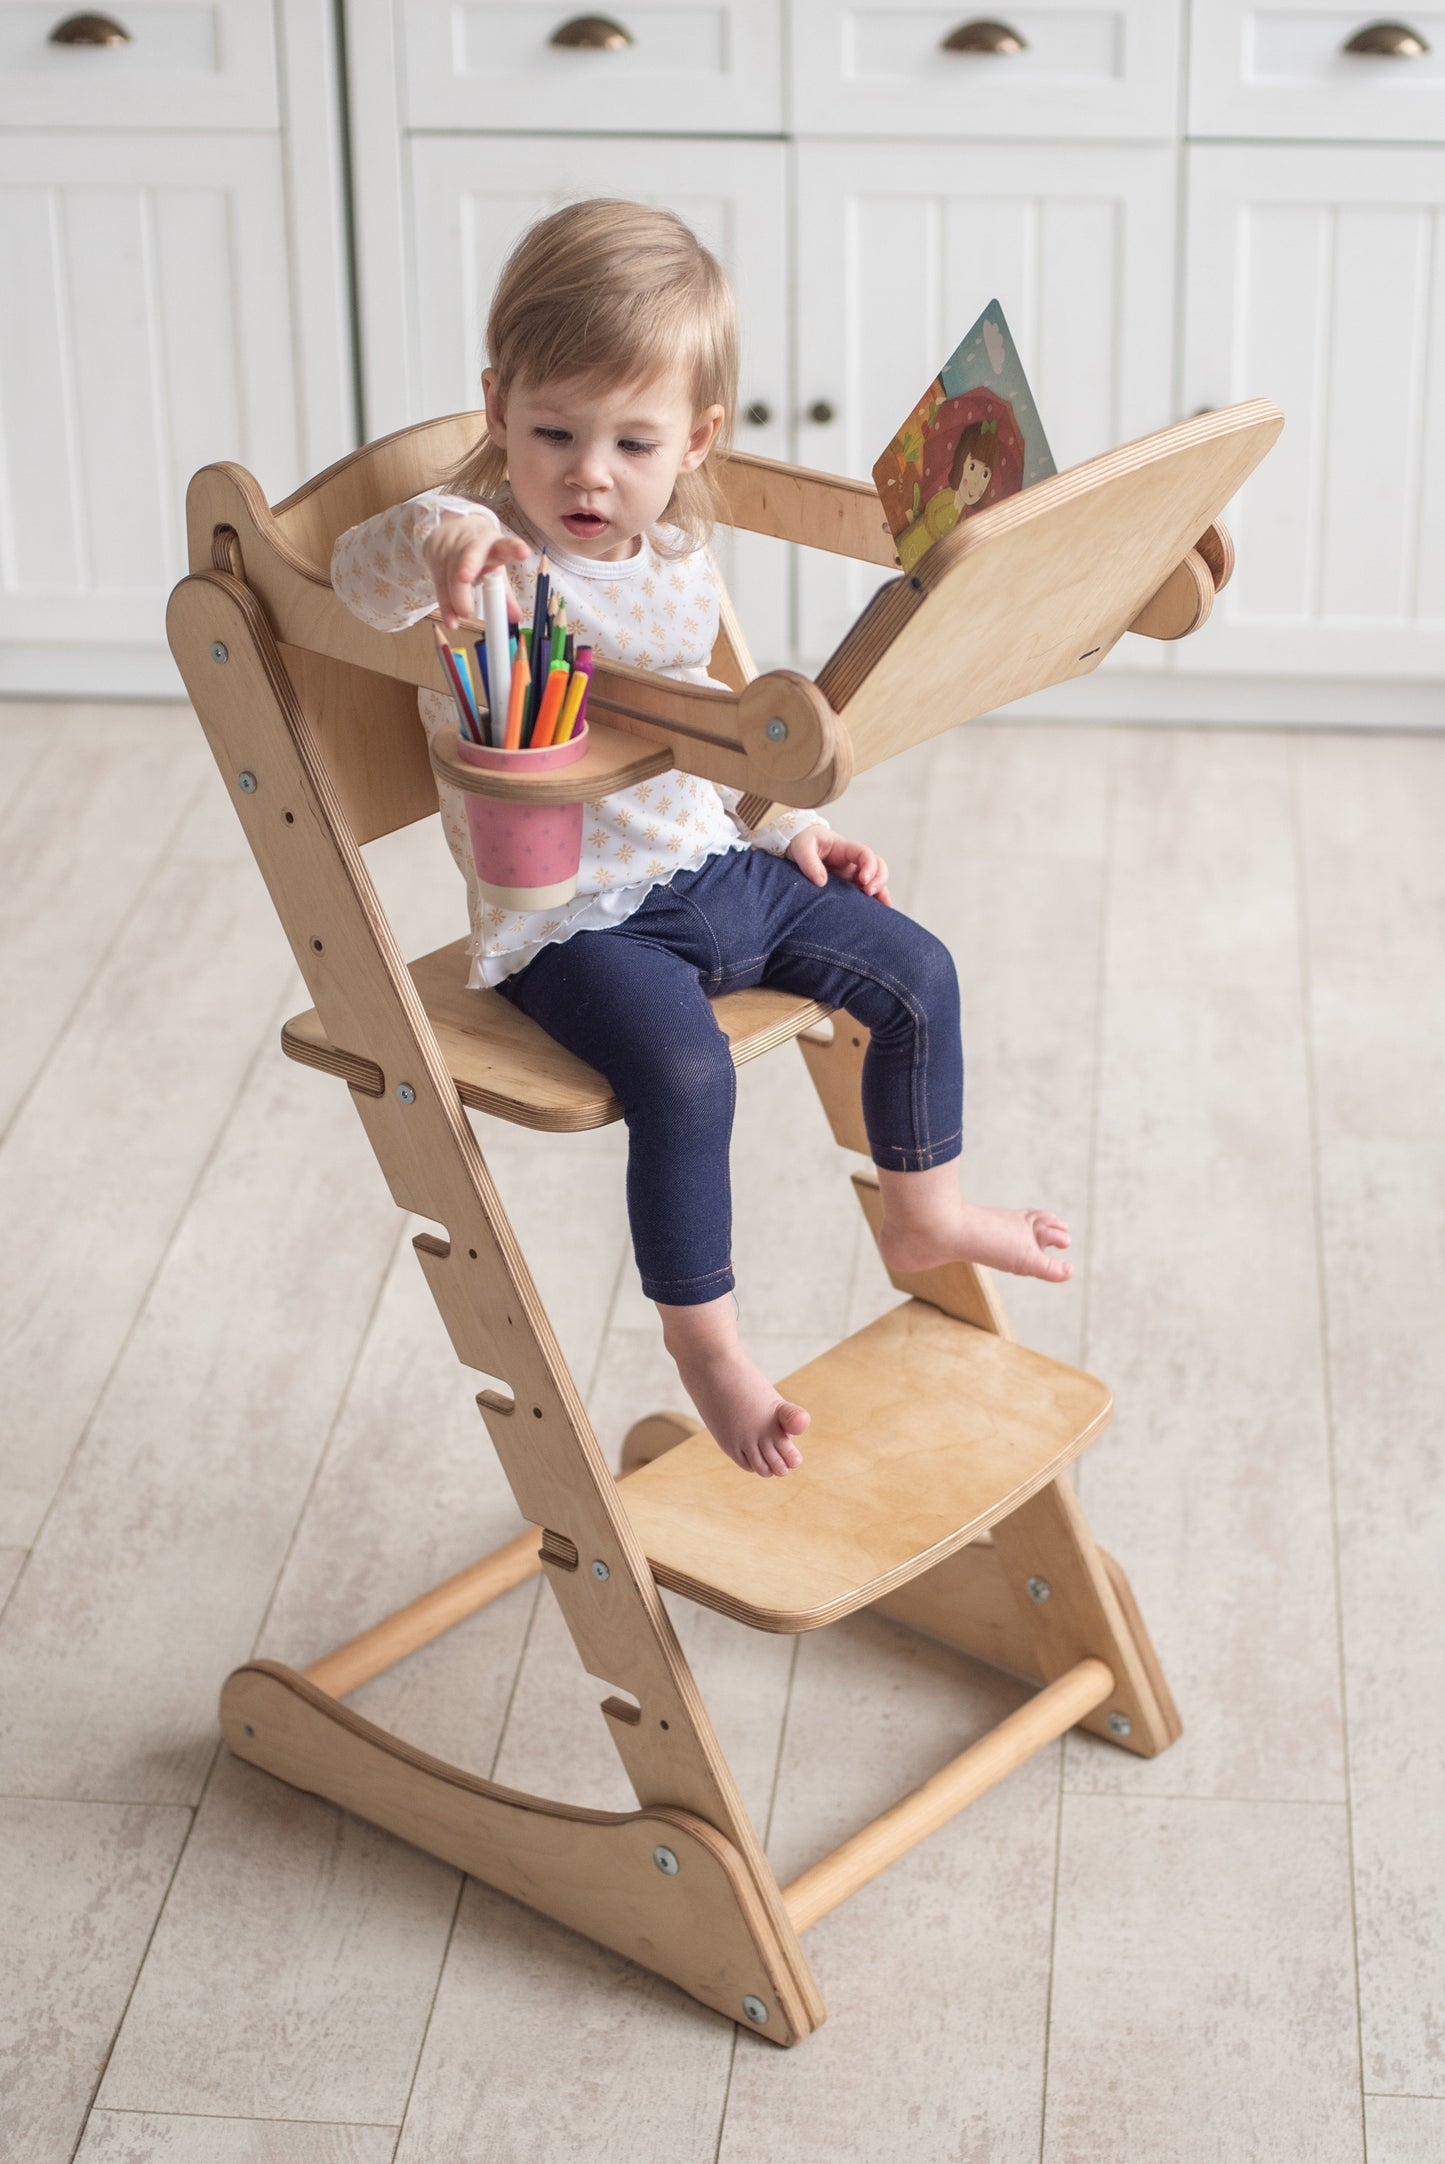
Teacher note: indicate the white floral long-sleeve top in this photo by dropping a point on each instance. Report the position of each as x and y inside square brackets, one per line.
[655, 611]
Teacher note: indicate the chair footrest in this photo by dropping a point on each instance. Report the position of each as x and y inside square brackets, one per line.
[925, 1431]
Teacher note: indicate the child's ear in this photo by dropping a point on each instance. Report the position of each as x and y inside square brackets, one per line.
[700, 442]
[496, 406]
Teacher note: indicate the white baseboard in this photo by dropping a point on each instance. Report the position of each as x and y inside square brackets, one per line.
[103, 672]
[1293, 702]
[1134, 695]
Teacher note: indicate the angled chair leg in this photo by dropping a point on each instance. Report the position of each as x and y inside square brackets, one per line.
[264, 745]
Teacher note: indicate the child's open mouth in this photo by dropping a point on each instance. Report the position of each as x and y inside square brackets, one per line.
[585, 524]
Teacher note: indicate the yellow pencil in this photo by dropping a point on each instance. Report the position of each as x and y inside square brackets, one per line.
[576, 692]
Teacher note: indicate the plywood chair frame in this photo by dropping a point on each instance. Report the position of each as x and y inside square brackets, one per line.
[311, 717]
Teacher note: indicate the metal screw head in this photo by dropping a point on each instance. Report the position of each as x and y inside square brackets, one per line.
[1039, 1589]
[755, 2009]
[406, 1093]
[218, 652]
[600, 1570]
[1120, 1724]
[248, 1728]
[248, 782]
[777, 731]
[665, 1860]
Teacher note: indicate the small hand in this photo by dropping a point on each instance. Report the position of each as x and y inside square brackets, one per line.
[457, 553]
[818, 850]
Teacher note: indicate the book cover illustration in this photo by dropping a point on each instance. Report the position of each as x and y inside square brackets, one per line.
[973, 438]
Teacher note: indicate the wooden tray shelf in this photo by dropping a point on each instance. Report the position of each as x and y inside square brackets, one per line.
[612, 760]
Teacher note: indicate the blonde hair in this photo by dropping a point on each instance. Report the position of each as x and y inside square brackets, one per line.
[618, 293]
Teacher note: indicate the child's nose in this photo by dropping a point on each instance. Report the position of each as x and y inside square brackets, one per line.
[588, 470]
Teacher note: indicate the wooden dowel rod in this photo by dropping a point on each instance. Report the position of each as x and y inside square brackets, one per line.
[425, 1618]
[884, 1839]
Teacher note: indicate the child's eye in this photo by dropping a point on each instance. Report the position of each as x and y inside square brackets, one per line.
[553, 435]
[643, 450]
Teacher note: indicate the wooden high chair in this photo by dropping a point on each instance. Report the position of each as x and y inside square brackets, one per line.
[933, 1486]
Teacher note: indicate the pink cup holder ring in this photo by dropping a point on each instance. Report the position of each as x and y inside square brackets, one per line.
[527, 855]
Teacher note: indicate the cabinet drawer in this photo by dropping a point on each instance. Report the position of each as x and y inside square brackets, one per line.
[184, 64]
[1280, 68]
[1084, 69]
[692, 66]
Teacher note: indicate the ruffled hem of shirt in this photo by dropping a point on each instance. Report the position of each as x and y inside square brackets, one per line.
[601, 912]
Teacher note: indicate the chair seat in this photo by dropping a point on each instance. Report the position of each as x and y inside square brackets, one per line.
[502, 1062]
[925, 1431]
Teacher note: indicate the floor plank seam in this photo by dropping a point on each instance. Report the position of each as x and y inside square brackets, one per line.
[164, 855]
[143, 1301]
[103, 2065]
[1053, 1940]
[1307, 1017]
[343, 1397]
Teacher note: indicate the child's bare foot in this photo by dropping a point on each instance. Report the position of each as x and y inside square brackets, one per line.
[926, 1222]
[739, 1406]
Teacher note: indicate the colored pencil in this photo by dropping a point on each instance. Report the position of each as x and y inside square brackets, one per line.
[539, 631]
[461, 693]
[583, 661]
[551, 706]
[567, 719]
[516, 705]
[481, 688]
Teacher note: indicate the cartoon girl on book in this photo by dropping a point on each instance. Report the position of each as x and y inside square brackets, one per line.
[971, 469]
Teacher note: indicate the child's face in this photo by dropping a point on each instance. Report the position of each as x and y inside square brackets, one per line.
[971, 482]
[591, 468]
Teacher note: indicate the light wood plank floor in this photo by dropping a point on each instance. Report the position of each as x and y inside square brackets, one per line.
[1204, 979]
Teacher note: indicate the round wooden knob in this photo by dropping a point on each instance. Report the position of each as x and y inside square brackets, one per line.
[89, 30]
[1388, 41]
[984, 37]
[592, 34]
[821, 412]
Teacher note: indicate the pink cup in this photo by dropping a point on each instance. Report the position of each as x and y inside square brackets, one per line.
[527, 855]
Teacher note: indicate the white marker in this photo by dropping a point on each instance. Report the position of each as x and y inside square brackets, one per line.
[499, 651]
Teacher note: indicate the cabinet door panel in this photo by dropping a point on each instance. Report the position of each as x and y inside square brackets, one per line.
[149, 334]
[900, 246]
[468, 209]
[1318, 278]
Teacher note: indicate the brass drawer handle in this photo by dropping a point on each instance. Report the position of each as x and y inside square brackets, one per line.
[984, 37]
[89, 30]
[1389, 41]
[593, 34]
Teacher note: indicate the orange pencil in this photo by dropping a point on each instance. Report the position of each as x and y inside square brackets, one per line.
[553, 694]
[517, 699]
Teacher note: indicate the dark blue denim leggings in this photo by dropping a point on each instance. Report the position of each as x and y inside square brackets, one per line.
[632, 1000]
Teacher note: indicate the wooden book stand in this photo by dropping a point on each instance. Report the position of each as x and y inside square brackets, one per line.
[933, 1486]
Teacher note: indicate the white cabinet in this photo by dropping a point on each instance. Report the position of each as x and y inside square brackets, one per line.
[173, 296]
[1317, 277]
[471, 196]
[901, 245]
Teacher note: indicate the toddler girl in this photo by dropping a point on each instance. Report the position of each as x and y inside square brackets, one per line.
[613, 372]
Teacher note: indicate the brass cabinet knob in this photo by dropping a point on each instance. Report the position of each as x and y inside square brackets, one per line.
[984, 37]
[1389, 41]
[758, 414]
[821, 412]
[592, 34]
[89, 30]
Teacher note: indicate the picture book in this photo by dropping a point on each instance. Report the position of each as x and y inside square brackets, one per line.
[974, 437]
